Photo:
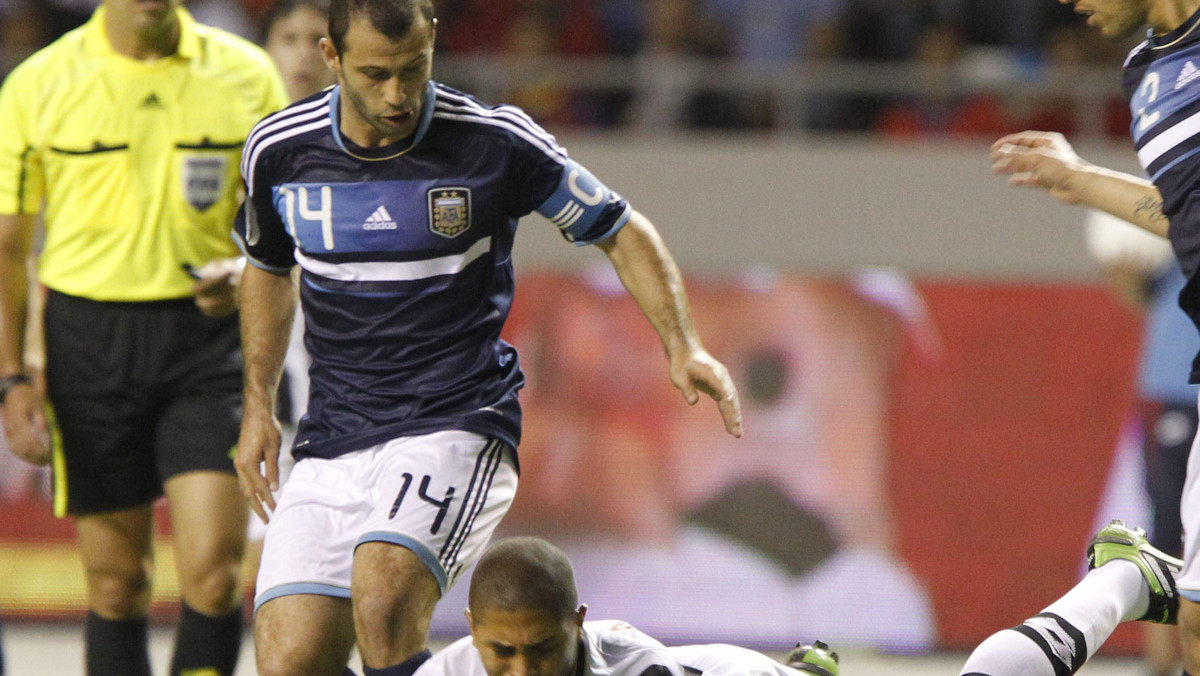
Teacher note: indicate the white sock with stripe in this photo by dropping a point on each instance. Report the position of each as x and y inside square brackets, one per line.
[1057, 641]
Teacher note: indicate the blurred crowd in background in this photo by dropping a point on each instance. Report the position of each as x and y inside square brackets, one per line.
[901, 68]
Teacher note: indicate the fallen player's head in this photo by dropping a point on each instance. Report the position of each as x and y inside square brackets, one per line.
[524, 610]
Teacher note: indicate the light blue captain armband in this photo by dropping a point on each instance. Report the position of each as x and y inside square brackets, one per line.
[579, 204]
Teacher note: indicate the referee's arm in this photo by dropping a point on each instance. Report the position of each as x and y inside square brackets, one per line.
[24, 419]
[650, 274]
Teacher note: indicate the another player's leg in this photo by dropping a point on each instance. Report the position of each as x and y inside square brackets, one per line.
[1129, 580]
[208, 515]
[118, 562]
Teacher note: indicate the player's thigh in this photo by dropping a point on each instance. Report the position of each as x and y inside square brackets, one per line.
[440, 496]
[117, 550]
[309, 635]
[208, 516]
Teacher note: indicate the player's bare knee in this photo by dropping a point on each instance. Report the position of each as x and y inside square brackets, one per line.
[215, 591]
[119, 592]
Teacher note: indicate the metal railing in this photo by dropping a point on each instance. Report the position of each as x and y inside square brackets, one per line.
[792, 89]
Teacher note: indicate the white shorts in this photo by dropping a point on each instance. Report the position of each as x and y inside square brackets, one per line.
[1188, 580]
[439, 495]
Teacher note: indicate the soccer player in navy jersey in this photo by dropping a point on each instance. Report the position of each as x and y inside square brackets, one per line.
[1162, 82]
[399, 199]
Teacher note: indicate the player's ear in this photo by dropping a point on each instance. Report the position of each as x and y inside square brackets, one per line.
[329, 54]
[470, 620]
[580, 614]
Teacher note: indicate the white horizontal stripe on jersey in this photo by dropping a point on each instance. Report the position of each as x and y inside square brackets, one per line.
[395, 272]
[279, 120]
[1163, 144]
[471, 117]
[512, 112]
[276, 138]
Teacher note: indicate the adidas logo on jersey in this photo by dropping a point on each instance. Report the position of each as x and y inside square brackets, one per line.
[1188, 75]
[380, 220]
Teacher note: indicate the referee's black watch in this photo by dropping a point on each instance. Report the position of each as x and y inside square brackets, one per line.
[9, 382]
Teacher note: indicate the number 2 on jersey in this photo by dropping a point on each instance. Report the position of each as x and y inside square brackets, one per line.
[443, 505]
[1149, 86]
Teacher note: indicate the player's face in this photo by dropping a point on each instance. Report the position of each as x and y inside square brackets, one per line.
[526, 642]
[382, 80]
[144, 16]
[1116, 19]
[292, 42]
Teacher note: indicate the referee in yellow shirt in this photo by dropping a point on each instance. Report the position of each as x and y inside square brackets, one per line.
[125, 134]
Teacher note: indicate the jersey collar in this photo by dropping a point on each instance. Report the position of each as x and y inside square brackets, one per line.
[386, 152]
[96, 39]
[1169, 39]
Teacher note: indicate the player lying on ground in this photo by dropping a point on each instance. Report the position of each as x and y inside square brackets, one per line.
[1128, 580]
[526, 620]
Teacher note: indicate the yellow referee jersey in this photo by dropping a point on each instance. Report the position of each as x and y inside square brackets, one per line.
[135, 164]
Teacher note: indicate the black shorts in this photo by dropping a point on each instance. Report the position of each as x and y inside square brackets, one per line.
[1168, 431]
[141, 392]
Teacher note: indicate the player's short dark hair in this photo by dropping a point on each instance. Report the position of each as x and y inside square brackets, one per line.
[524, 573]
[283, 8]
[393, 18]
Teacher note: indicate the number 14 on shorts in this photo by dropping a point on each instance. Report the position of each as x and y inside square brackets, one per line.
[442, 505]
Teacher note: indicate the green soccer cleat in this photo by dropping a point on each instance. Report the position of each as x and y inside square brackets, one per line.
[1119, 541]
[816, 658]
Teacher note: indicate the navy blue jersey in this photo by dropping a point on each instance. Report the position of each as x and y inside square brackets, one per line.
[1162, 82]
[405, 257]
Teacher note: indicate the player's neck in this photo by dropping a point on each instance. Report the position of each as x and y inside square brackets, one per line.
[139, 42]
[1167, 15]
[359, 131]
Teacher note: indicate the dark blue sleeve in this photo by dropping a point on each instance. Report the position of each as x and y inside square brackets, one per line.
[259, 230]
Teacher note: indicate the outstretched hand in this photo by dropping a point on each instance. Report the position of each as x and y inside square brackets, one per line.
[1039, 159]
[697, 371]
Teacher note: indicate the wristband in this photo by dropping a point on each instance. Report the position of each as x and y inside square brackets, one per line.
[9, 382]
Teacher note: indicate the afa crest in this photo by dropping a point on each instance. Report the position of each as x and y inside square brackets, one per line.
[449, 211]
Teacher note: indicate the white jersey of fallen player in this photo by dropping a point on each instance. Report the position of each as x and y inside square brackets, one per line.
[614, 648]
